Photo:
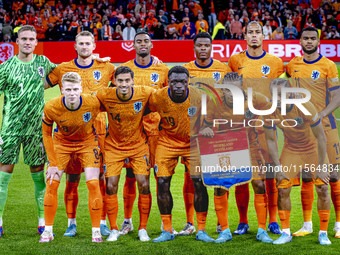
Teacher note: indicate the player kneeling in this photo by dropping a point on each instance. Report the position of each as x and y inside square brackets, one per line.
[74, 115]
[304, 149]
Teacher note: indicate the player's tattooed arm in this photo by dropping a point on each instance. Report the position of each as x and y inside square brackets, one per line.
[333, 105]
[319, 133]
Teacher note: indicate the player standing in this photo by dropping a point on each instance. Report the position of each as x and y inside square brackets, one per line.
[125, 106]
[178, 106]
[304, 146]
[22, 81]
[259, 68]
[74, 116]
[95, 75]
[319, 75]
[207, 71]
[146, 74]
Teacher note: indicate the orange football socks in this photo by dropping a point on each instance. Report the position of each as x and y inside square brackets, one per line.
[272, 194]
[221, 208]
[71, 199]
[189, 194]
[144, 206]
[112, 210]
[51, 201]
[335, 194]
[167, 222]
[129, 195]
[307, 198]
[201, 220]
[260, 202]
[242, 201]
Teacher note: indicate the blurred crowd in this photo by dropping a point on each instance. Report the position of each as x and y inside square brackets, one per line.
[62, 20]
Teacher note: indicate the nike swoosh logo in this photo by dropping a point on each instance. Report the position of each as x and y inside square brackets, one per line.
[165, 112]
[296, 71]
[96, 162]
[337, 158]
[111, 107]
[62, 121]
[192, 77]
[240, 67]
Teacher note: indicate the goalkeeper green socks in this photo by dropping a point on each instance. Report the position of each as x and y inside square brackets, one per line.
[4, 180]
[39, 191]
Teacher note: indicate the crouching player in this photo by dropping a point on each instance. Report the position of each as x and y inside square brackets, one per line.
[304, 149]
[74, 115]
[125, 106]
[225, 112]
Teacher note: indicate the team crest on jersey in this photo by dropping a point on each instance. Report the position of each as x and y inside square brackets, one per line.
[97, 75]
[154, 77]
[216, 76]
[87, 117]
[41, 71]
[192, 111]
[315, 75]
[265, 69]
[249, 114]
[299, 121]
[138, 106]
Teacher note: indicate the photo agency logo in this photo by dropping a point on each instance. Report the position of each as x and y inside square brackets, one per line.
[239, 103]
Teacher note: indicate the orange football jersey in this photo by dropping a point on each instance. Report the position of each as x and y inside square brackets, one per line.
[125, 117]
[210, 74]
[93, 77]
[256, 68]
[319, 77]
[299, 138]
[155, 76]
[179, 121]
[73, 126]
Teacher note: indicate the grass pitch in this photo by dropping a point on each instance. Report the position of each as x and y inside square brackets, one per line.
[20, 223]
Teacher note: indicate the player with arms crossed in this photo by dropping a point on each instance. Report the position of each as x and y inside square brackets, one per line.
[258, 69]
[319, 75]
[95, 75]
[146, 73]
[205, 71]
[260, 102]
[74, 115]
[125, 106]
[304, 148]
[22, 81]
[179, 108]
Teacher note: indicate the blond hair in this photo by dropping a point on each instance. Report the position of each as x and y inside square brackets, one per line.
[27, 28]
[71, 77]
[85, 33]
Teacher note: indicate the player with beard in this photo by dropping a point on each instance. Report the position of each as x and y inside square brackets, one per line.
[258, 69]
[94, 75]
[319, 75]
[203, 71]
[147, 73]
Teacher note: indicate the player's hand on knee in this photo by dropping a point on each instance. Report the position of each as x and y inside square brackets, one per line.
[156, 61]
[53, 173]
[207, 132]
[96, 57]
[323, 175]
[280, 176]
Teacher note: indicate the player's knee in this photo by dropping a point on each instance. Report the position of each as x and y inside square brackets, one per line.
[259, 186]
[163, 184]
[283, 193]
[334, 175]
[101, 177]
[35, 169]
[198, 185]
[307, 176]
[144, 187]
[323, 192]
[74, 178]
[111, 187]
[219, 192]
[96, 204]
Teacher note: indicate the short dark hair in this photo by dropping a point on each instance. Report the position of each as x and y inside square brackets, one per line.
[177, 69]
[141, 33]
[253, 22]
[124, 69]
[203, 35]
[280, 82]
[310, 29]
[233, 76]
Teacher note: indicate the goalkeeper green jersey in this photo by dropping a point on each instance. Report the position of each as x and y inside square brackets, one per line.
[23, 86]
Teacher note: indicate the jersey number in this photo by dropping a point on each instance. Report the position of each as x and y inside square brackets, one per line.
[22, 88]
[96, 153]
[65, 128]
[170, 121]
[117, 118]
[337, 148]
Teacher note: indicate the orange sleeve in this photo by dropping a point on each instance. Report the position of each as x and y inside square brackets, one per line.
[47, 137]
[281, 68]
[231, 63]
[100, 96]
[53, 77]
[288, 68]
[153, 101]
[261, 102]
[332, 77]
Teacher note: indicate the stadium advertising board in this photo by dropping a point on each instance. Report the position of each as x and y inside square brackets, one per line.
[178, 51]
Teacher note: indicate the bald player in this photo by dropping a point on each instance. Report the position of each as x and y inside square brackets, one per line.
[258, 69]
[95, 75]
[319, 75]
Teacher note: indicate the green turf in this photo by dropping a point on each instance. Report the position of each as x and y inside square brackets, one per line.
[20, 223]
